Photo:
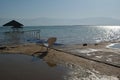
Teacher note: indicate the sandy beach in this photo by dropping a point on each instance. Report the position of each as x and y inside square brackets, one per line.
[67, 56]
[60, 40]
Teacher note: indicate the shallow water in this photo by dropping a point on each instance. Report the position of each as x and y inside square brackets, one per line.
[114, 46]
[23, 67]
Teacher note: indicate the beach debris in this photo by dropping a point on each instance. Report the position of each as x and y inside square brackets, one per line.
[95, 44]
[2, 47]
[85, 44]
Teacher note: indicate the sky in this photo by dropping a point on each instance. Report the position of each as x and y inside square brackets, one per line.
[65, 9]
[51, 10]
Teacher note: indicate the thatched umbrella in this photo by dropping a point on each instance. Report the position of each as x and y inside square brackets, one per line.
[14, 23]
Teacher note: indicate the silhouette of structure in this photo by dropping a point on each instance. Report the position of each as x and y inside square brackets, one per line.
[14, 24]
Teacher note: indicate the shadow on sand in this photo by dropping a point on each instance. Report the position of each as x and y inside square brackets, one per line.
[40, 54]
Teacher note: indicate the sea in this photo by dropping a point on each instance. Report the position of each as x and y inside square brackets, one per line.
[67, 34]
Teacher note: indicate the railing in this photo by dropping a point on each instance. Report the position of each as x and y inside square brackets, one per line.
[35, 34]
[18, 37]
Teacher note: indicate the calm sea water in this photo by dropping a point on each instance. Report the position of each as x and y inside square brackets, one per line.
[67, 34]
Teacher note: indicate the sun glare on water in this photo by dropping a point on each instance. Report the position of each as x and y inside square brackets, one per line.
[111, 27]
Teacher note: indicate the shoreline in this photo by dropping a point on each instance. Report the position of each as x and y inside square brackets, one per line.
[67, 55]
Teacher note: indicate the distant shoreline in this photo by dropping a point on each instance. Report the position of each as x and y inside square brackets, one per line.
[67, 25]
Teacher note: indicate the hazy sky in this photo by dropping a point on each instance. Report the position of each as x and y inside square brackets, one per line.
[73, 9]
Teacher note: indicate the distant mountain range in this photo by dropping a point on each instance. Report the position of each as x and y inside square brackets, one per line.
[51, 21]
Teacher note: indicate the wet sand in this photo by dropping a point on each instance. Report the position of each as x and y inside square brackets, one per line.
[65, 56]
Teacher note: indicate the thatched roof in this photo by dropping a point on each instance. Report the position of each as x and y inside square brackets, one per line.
[14, 23]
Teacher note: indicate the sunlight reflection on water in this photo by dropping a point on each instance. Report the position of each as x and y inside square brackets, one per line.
[68, 34]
